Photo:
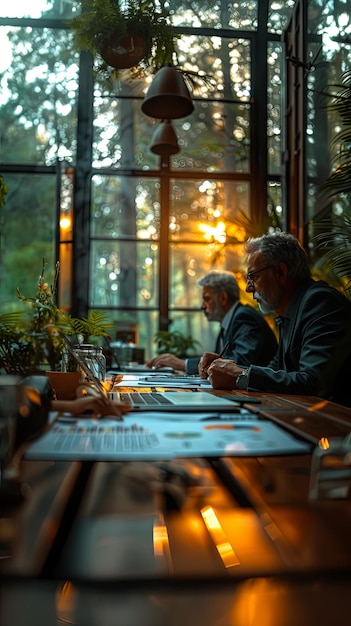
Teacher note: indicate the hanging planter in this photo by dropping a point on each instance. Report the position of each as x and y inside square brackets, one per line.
[125, 53]
[125, 33]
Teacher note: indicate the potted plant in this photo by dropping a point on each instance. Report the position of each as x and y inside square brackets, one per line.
[35, 338]
[125, 33]
[174, 342]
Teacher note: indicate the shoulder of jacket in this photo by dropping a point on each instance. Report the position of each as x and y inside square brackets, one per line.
[248, 310]
[329, 292]
[321, 286]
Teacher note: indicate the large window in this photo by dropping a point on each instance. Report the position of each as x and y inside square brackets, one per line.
[134, 232]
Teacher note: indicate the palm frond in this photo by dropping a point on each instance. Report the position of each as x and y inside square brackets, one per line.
[95, 325]
[339, 104]
[11, 319]
[334, 242]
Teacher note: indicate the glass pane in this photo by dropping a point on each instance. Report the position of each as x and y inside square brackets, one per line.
[275, 205]
[279, 13]
[189, 262]
[38, 100]
[332, 20]
[317, 132]
[123, 274]
[216, 14]
[312, 193]
[274, 103]
[243, 15]
[38, 8]
[121, 135]
[125, 207]
[208, 210]
[329, 53]
[216, 140]
[195, 325]
[227, 60]
[142, 323]
[27, 226]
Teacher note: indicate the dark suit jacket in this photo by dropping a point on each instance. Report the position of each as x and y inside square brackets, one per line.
[314, 353]
[251, 339]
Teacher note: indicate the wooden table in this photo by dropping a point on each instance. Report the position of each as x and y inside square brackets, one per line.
[217, 542]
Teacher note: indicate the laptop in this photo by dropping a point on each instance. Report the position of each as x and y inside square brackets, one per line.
[162, 401]
[168, 401]
[138, 368]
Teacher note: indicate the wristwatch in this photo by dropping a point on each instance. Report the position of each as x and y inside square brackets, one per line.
[242, 380]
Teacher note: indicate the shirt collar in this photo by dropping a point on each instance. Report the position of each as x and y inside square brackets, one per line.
[295, 300]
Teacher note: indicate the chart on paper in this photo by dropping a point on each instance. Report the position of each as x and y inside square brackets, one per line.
[155, 438]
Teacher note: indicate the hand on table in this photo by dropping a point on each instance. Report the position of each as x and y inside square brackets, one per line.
[92, 404]
[167, 360]
[205, 362]
[223, 373]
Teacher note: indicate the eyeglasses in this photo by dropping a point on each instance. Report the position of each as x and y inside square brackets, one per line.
[250, 275]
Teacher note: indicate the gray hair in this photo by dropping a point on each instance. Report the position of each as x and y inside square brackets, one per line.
[221, 281]
[281, 248]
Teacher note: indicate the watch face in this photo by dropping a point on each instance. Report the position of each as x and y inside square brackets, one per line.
[241, 381]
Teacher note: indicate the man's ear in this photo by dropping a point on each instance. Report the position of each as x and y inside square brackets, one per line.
[223, 298]
[282, 272]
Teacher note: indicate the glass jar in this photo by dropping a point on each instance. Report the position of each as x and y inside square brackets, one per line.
[93, 358]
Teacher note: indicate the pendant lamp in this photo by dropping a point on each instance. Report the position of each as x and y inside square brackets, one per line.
[168, 97]
[164, 140]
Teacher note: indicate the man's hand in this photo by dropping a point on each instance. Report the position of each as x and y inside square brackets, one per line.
[205, 362]
[167, 360]
[223, 374]
[92, 404]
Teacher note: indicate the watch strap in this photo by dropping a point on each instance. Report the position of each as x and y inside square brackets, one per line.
[242, 380]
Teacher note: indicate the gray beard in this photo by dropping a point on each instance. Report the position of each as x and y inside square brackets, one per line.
[264, 307]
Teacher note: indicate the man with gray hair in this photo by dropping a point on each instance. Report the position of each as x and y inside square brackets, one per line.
[314, 321]
[244, 335]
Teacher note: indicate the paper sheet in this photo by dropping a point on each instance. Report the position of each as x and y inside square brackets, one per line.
[159, 437]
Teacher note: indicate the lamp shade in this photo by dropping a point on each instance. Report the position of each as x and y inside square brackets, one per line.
[164, 140]
[168, 97]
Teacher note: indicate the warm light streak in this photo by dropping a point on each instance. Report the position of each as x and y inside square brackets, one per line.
[318, 406]
[224, 547]
[216, 233]
[65, 600]
[106, 385]
[323, 443]
[65, 223]
[161, 540]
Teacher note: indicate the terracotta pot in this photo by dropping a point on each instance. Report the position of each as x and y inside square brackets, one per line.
[125, 53]
[64, 384]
